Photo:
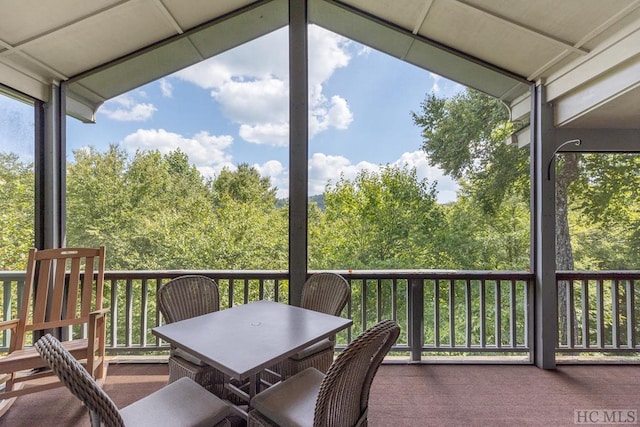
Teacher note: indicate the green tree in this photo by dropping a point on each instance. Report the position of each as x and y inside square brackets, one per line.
[606, 196]
[474, 240]
[464, 136]
[244, 185]
[379, 220]
[98, 203]
[16, 212]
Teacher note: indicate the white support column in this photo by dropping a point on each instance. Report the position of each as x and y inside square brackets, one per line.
[50, 171]
[544, 244]
[298, 147]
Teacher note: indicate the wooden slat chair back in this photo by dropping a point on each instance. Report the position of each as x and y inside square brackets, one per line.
[63, 291]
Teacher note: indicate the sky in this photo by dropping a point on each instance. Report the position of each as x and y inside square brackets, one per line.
[233, 108]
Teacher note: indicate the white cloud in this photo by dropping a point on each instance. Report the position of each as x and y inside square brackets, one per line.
[278, 175]
[276, 134]
[251, 85]
[435, 88]
[254, 102]
[206, 151]
[166, 88]
[326, 115]
[124, 108]
[326, 168]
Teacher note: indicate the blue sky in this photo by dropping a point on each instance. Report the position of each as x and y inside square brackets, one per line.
[233, 109]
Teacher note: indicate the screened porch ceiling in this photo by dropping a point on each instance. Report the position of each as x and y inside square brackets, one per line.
[586, 52]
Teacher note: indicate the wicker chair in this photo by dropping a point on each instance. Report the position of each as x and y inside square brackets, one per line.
[182, 298]
[338, 399]
[327, 293]
[181, 403]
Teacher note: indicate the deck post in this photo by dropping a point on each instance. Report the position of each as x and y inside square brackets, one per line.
[543, 236]
[298, 147]
[50, 170]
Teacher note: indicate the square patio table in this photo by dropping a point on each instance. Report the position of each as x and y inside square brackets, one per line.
[244, 340]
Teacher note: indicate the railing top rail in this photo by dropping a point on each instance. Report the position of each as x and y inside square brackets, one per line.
[433, 274]
[231, 274]
[608, 274]
[357, 274]
[284, 274]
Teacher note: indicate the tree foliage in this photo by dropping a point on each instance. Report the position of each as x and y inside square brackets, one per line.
[158, 212]
[378, 220]
[464, 136]
[16, 211]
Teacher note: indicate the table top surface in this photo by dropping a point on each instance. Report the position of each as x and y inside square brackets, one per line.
[246, 339]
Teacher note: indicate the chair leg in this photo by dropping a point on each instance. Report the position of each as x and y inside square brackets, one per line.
[9, 385]
[5, 404]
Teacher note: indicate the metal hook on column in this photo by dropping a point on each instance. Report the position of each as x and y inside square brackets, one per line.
[577, 142]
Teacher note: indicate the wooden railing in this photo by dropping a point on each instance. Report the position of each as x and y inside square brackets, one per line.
[602, 312]
[444, 315]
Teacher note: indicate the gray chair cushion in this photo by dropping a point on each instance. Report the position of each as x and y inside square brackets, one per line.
[313, 349]
[179, 404]
[291, 402]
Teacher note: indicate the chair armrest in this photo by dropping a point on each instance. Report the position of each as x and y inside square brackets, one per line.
[9, 324]
[98, 313]
[95, 317]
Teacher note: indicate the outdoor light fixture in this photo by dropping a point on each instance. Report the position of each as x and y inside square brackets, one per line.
[577, 142]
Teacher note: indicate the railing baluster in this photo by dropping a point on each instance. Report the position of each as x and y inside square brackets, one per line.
[6, 310]
[569, 310]
[378, 300]
[158, 316]
[469, 313]
[394, 299]
[615, 314]
[585, 313]
[114, 313]
[452, 314]
[631, 318]
[528, 318]
[363, 303]
[128, 313]
[436, 313]
[600, 340]
[513, 316]
[483, 315]
[144, 307]
[230, 298]
[349, 312]
[498, 314]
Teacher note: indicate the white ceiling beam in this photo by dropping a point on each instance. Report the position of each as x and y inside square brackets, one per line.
[587, 38]
[537, 33]
[169, 16]
[43, 35]
[422, 17]
[599, 62]
[597, 92]
[21, 80]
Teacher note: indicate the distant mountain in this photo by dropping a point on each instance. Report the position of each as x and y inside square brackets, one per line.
[318, 199]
